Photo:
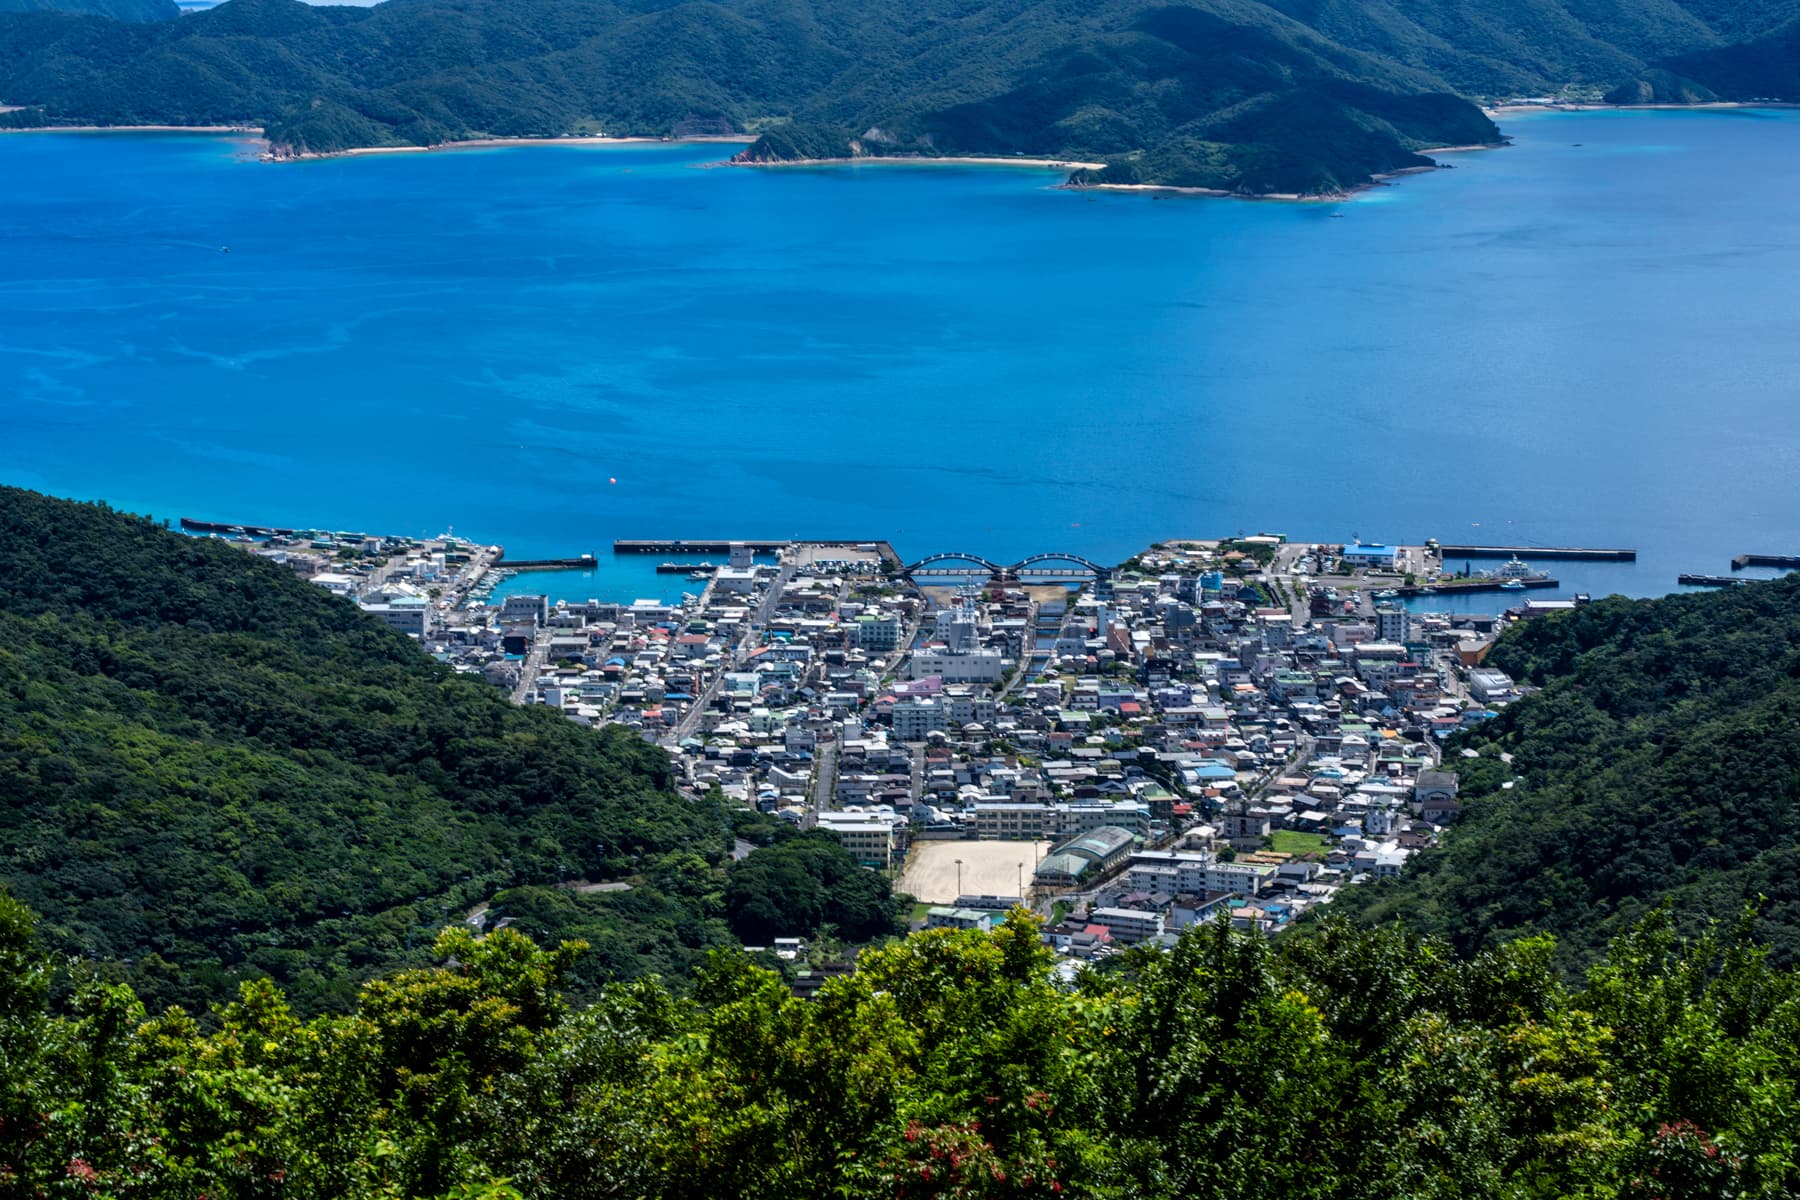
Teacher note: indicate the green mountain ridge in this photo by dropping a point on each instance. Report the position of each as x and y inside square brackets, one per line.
[1309, 96]
[214, 770]
[1658, 764]
[119, 10]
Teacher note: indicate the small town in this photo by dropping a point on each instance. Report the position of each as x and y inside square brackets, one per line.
[1227, 729]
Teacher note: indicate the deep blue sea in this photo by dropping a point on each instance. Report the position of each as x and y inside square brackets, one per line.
[1590, 337]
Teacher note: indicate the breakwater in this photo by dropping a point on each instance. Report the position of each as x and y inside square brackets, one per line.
[1588, 553]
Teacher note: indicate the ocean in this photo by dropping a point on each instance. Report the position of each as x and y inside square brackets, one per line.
[1586, 338]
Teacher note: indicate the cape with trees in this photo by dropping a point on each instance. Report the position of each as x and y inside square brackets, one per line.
[1252, 96]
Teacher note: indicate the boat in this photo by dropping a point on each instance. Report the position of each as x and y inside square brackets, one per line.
[697, 575]
[1387, 594]
[1512, 585]
[1514, 569]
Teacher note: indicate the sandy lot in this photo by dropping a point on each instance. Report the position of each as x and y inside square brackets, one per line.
[988, 868]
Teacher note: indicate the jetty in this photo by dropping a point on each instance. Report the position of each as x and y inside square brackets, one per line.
[579, 562]
[696, 546]
[1588, 553]
[193, 526]
[722, 546]
[1789, 562]
[1461, 587]
[1708, 580]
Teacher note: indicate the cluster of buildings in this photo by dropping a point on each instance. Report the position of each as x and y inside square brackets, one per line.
[1206, 733]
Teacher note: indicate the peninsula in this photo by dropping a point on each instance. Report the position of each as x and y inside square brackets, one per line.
[1253, 99]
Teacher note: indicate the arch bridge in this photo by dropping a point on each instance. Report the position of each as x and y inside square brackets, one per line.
[1052, 567]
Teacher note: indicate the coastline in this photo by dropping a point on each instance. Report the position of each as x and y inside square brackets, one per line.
[1504, 109]
[966, 160]
[495, 143]
[250, 130]
[1378, 179]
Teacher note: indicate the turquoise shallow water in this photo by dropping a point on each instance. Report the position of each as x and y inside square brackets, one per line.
[1590, 337]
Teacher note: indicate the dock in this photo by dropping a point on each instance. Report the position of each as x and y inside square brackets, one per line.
[1709, 580]
[1789, 562]
[1589, 553]
[696, 546]
[1464, 587]
[756, 546]
[193, 526]
[579, 562]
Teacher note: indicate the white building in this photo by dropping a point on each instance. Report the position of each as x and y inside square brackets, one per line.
[1245, 879]
[1393, 623]
[981, 666]
[915, 719]
[1129, 926]
[411, 615]
[1169, 871]
[878, 633]
[868, 837]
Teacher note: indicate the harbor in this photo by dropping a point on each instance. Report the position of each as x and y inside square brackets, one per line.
[1552, 552]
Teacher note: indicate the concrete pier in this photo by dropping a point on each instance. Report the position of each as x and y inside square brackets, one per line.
[1567, 552]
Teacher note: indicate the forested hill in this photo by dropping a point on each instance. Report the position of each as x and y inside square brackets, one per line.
[122, 10]
[211, 769]
[1350, 1066]
[1659, 764]
[1248, 95]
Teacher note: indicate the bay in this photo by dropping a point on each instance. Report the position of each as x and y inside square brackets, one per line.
[1587, 338]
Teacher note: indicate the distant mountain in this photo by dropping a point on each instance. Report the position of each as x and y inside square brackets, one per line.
[118, 10]
[1249, 95]
[1658, 764]
[1768, 67]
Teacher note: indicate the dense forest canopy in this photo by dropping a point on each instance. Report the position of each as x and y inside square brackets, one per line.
[123, 10]
[1658, 764]
[1346, 1066]
[1247, 95]
[213, 770]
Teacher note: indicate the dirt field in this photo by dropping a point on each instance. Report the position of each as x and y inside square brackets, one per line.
[988, 868]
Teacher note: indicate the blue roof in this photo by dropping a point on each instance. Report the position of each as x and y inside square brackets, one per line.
[1370, 550]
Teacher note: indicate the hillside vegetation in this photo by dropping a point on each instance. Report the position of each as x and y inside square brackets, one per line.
[1348, 1066]
[121, 10]
[1248, 95]
[213, 770]
[1658, 765]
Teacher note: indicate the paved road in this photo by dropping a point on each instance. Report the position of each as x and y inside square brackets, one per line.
[739, 653]
[824, 783]
[532, 666]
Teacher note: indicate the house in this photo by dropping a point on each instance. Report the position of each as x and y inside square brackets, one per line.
[946, 917]
[1435, 791]
[1129, 926]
